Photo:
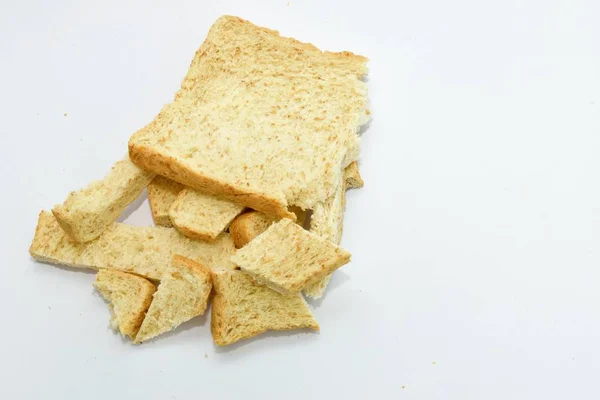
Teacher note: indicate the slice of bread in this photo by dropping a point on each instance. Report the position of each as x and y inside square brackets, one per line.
[86, 213]
[182, 295]
[162, 193]
[281, 114]
[287, 258]
[242, 309]
[145, 251]
[201, 216]
[128, 297]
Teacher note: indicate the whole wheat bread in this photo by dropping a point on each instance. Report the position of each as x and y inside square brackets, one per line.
[128, 297]
[145, 251]
[281, 114]
[162, 193]
[242, 309]
[86, 213]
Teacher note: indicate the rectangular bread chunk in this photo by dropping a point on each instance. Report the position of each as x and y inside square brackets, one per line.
[86, 213]
[281, 114]
[128, 297]
[287, 257]
[182, 295]
[248, 226]
[242, 309]
[352, 176]
[145, 251]
[162, 193]
[201, 216]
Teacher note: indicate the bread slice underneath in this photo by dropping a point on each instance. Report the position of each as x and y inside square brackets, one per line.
[86, 213]
[145, 251]
[287, 258]
[128, 298]
[262, 111]
[242, 309]
[162, 193]
[201, 216]
[182, 295]
[247, 226]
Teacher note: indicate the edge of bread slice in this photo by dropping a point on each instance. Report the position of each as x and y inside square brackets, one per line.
[162, 193]
[201, 216]
[145, 251]
[182, 295]
[128, 297]
[287, 257]
[242, 309]
[86, 213]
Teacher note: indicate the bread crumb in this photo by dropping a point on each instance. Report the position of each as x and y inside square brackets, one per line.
[434, 363]
[403, 386]
[205, 355]
[65, 114]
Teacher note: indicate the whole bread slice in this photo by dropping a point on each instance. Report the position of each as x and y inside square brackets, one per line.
[145, 251]
[261, 120]
[128, 297]
[242, 309]
[201, 216]
[162, 193]
[86, 213]
[287, 257]
[182, 295]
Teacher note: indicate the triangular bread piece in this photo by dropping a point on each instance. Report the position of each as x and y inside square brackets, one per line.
[287, 258]
[280, 114]
[162, 193]
[242, 309]
[201, 216]
[182, 295]
[128, 297]
[88, 212]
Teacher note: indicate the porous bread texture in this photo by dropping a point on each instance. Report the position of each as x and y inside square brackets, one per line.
[247, 226]
[202, 216]
[162, 193]
[287, 258]
[182, 295]
[86, 213]
[128, 297]
[145, 251]
[242, 309]
[281, 114]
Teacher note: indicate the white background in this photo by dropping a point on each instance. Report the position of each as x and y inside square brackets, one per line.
[475, 241]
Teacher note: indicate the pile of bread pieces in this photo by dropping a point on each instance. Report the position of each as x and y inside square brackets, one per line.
[246, 172]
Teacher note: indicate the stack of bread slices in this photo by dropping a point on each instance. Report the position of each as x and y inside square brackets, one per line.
[246, 172]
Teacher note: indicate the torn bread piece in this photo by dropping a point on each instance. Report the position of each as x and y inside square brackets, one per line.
[352, 176]
[287, 258]
[182, 295]
[247, 226]
[242, 309]
[86, 213]
[327, 222]
[262, 110]
[162, 193]
[201, 216]
[144, 251]
[128, 297]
